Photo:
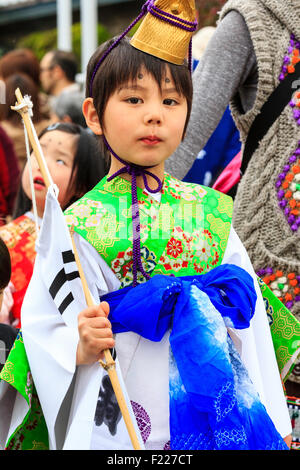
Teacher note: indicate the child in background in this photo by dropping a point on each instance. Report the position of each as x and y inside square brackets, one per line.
[10, 120]
[7, 332]
[72, 155]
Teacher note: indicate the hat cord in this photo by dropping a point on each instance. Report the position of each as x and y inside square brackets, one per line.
[135, 171]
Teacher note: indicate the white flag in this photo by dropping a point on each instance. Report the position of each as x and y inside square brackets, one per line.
[68, 394]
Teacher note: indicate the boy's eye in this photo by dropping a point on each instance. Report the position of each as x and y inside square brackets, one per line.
[60, 161]
[170, 102]
[134, 100]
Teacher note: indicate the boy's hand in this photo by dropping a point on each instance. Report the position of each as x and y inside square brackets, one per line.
[95, 334]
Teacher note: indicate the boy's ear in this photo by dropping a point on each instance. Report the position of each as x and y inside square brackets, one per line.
[91, 116]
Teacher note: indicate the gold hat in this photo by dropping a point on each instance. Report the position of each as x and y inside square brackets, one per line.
[167, 30]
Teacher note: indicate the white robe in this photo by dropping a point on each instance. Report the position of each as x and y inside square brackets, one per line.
[51, 350]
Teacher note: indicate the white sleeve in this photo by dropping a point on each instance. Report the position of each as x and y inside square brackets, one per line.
[258, 353]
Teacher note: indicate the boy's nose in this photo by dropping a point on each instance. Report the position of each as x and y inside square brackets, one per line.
[154, 116]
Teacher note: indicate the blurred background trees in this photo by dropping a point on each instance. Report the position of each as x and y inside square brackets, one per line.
[41, 42]
[40, 35]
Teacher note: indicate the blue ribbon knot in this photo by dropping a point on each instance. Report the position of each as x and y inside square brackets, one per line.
[213, 404]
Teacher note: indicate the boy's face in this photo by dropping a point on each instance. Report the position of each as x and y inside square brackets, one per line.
[143, 123]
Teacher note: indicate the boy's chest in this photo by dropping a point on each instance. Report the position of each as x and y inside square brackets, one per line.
[170, 244]
[181, 235]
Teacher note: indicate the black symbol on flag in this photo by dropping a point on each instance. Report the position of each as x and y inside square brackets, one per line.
[107, 411]
[61, 278]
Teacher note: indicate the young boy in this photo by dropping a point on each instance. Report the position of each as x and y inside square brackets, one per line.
[136, 224]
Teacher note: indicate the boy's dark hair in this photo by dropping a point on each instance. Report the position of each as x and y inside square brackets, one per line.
[5, 265]
[67, 62]
[123, 64]
[89, 166]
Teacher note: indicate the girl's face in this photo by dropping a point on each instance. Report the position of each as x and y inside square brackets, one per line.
[144, 123]
[59, 149]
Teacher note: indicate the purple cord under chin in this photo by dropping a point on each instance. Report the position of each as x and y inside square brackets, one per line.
[135, 171]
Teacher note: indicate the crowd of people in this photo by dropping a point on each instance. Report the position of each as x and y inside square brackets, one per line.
[232, 79]
[56, 99]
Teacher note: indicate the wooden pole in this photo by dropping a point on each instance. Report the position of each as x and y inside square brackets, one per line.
[27, 121]
[109, 365]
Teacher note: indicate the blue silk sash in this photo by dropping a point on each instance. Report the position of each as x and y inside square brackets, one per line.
[213, 403]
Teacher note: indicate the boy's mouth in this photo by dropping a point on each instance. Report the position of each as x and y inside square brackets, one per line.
[151, 140]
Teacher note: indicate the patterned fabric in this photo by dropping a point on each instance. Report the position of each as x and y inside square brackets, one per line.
[284, 286]
[287, 184]
[32, 433]
[183, 246]
[186, 232]
[184, 235]
[285, 331]
[20, 236]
